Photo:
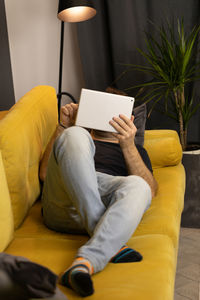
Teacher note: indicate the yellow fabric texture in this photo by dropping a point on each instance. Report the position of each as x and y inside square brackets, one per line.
[163, 147]
[6, 216]
[24, 134]
[3, 114]
[156, 237]
[164, 214]
[33, 226]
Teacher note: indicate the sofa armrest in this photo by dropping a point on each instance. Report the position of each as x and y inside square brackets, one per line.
[24, 134]
[163, 147]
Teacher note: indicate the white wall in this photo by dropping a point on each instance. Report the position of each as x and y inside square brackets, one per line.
[34, 37]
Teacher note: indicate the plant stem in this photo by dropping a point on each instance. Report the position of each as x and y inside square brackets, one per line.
[179, 96]
[182, 96]
[183, 132]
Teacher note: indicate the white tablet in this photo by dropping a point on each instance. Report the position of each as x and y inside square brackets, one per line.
[96, 109]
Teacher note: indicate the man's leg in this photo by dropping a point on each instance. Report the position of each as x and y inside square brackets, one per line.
[127, 199]
[71, 199]
[74, 153]
[130, 198]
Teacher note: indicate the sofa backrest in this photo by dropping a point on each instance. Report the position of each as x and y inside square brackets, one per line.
[24, 134]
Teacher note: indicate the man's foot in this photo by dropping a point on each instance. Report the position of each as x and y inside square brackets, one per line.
[78, 277]
[125, 255]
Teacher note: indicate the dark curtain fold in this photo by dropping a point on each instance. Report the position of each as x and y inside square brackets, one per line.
[95, 48]
[6, 80]
[112, 37]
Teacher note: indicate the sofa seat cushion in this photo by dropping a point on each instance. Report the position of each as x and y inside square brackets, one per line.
[33, 226]
[24, 134]
[164, 214]
[152, 278]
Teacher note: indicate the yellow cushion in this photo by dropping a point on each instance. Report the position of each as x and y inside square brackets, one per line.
[24, 134]
[163, 147]
[6, 216]
[152, 278]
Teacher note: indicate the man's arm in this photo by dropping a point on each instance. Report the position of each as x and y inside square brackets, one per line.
[136, 166]
[67, 119]
[126, 134]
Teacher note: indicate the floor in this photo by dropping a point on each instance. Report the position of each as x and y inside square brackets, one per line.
[187, 284]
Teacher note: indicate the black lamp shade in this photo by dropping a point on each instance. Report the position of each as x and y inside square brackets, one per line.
[75, 10]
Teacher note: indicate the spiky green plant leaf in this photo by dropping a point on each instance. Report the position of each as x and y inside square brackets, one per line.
[171, 65]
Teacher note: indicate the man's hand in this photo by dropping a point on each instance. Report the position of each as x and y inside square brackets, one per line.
[68, 114]
[126, 130]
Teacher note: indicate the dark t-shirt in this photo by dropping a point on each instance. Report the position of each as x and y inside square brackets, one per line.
[109, 158]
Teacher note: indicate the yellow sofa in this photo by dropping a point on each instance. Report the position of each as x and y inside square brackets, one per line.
[24, 133]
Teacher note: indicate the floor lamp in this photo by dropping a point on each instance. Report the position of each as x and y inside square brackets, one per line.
[71, 11]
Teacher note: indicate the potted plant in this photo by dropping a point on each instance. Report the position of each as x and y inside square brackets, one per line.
[171, 64]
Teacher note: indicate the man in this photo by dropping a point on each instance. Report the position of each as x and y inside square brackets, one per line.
[100, 184]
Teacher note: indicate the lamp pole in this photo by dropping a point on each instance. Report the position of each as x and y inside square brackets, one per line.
[71, 11]
[60, 66]
[60, 93]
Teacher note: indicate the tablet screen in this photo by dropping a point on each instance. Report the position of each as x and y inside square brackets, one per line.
[96, 109]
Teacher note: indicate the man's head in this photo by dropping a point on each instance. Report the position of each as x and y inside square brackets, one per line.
[113, 90]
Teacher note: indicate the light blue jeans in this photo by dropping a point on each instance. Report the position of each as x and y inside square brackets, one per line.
[77, 199]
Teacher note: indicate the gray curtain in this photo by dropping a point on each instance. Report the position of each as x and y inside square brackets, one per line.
[112, 37]
[7, 98]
